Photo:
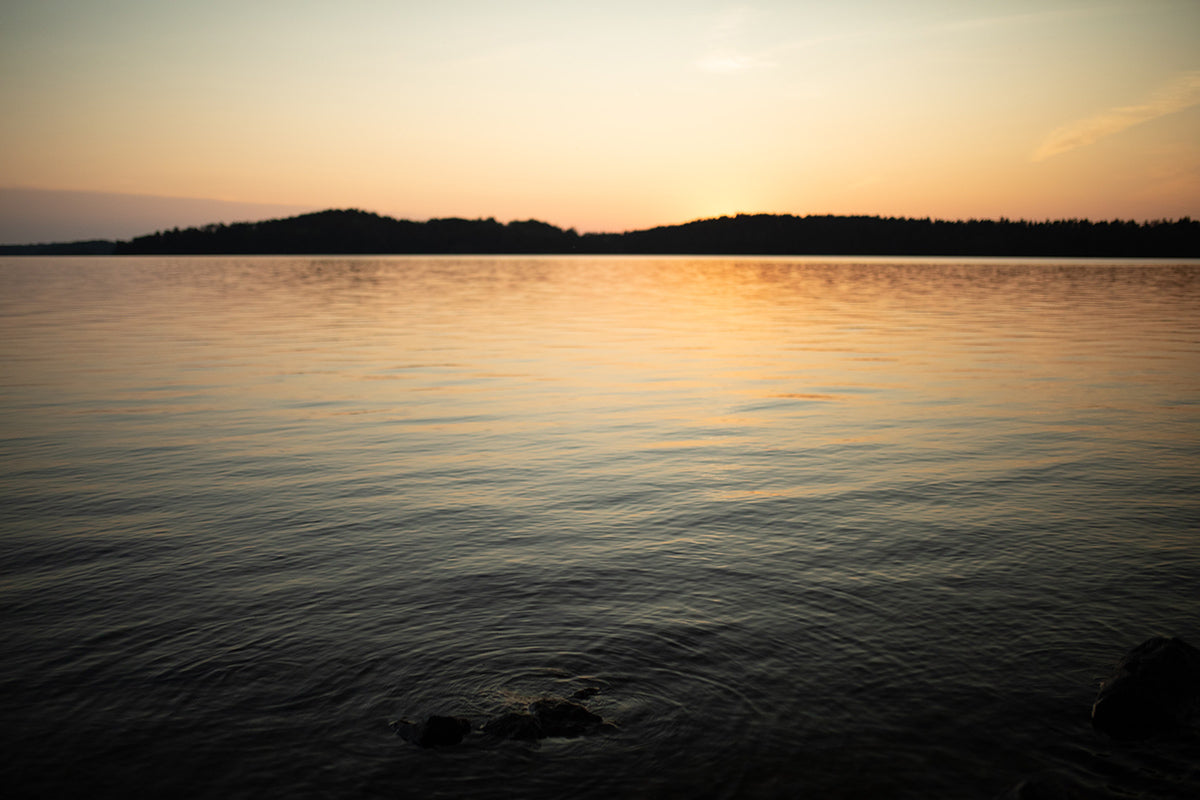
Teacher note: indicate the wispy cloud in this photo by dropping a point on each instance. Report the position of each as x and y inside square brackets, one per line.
[728, 29]
[1180, 93]
[1025, 19]
[730, 62]
[725, 56]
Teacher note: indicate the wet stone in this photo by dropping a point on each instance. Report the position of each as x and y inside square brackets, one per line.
[542, 718]
[1155, 690]
[436, 731]
[514, 725]
[559, 717]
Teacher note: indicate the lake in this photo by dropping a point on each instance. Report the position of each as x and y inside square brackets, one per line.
[819, 527]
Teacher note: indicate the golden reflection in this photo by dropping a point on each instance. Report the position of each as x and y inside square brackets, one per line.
[713, 348]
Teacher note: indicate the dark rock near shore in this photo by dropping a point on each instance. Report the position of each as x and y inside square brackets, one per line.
[1154, 691]
[586, 692]
[437, 731]
[547, 716]
[560, 717]
[514, 725]
[542, 718]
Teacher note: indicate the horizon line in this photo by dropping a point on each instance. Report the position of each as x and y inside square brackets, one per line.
[999, 220]
[1187, 218]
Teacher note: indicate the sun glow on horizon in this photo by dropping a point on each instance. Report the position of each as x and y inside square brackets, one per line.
[614, 117]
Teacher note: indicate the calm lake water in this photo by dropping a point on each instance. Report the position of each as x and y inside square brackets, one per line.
[815, 528]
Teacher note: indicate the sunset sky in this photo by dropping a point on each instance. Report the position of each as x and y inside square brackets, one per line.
[612, 115]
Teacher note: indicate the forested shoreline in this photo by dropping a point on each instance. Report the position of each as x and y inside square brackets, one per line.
[351, 231]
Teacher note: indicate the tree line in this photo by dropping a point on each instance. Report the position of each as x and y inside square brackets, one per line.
[351, 231]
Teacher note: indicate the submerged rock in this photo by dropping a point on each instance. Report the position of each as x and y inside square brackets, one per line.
[437, 731]
[514, 725]
[542, 718]
[586, 692]
[1155, 690]
[560, 717]
[547, 716]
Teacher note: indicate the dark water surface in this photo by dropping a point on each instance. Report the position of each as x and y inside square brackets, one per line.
[829, 529]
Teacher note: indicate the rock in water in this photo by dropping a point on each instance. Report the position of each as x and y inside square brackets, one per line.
[1154, 691]
[586, 692]
[549, 716]
[437, 731]
[514, 725]
[559, 717]
[546, 716]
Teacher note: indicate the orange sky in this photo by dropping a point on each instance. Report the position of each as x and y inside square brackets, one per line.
[614, 115]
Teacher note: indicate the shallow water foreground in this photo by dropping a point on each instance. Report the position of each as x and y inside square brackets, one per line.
[813, 528]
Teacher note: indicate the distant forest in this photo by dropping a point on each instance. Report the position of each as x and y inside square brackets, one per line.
[360, 232]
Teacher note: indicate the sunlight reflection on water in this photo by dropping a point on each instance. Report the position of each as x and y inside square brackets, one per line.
[816, 527]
